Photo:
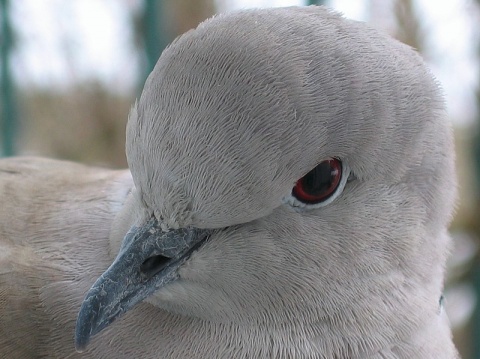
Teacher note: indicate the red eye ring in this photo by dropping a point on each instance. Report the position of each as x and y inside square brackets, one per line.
[320, 183]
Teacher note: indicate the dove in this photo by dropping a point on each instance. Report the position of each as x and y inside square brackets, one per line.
[292, 182]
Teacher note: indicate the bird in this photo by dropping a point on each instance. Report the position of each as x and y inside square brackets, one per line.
[290, 186]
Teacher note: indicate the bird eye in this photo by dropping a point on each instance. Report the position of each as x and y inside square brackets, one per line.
[320, 183]
[320, 186]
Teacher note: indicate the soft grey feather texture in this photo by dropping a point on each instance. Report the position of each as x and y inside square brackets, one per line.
[234, 113]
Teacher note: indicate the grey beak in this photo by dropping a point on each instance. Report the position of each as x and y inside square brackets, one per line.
[148, 260]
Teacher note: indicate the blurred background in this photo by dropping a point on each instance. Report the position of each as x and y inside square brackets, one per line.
[70, 70]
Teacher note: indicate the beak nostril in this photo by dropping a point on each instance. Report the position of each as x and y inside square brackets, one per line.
[153, 265]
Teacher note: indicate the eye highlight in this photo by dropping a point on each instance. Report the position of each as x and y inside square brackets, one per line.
[320, 186]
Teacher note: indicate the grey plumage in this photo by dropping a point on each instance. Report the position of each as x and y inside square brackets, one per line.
[234, 113]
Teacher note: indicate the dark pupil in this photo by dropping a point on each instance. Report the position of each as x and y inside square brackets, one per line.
[319, 180]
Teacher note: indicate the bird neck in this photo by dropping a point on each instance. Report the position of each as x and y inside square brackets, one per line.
[182, 337]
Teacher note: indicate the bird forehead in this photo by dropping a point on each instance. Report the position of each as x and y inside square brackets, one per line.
[221, 174]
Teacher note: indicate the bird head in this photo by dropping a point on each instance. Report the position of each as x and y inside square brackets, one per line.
[291, 167]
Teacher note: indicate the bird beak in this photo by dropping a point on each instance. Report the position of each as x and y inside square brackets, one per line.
[148, 260]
